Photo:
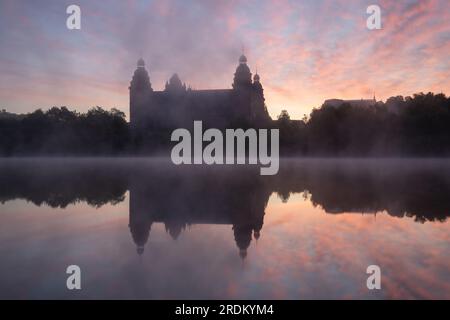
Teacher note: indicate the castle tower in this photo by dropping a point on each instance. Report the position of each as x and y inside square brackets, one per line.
[140, 218]
[243, 237]
[174, 85]
[242, 76]
[140, 225]
[259, 112]
[174, 227]
[140, 87]
[242, 87]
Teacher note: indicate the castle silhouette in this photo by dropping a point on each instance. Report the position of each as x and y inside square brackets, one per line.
[178, 106]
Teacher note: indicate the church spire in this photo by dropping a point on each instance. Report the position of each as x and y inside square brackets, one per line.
[243, 58]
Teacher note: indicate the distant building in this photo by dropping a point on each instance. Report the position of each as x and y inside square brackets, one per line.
[9, 116]
[179, 106]
[354, 103]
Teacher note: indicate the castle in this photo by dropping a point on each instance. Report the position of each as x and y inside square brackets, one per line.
[177, 106]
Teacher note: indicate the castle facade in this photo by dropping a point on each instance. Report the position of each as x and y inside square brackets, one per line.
[178, 106]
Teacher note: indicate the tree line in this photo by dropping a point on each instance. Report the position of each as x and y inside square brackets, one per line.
[411, 126]
[60, 131]
[401, 126]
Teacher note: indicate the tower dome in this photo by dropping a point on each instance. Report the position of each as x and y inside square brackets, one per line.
[175, 85]
[242, 59]
[256, 84]
[141, 63]
[175, 82]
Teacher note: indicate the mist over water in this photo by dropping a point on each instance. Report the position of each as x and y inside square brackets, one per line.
[144, 228]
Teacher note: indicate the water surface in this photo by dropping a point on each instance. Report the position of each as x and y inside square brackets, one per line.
[145, 229]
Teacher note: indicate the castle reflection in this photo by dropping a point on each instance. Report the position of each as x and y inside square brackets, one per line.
[178, 197]
[198, 196]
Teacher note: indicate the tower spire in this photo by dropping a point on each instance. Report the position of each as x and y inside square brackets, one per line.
[256, 77]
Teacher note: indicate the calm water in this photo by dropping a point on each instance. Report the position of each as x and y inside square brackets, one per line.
[142, 228]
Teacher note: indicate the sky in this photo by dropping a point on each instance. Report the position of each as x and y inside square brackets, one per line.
[304, 51]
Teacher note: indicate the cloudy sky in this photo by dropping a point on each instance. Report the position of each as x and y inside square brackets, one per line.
[305, 51]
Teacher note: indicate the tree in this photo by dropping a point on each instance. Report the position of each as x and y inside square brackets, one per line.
[284, 116]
